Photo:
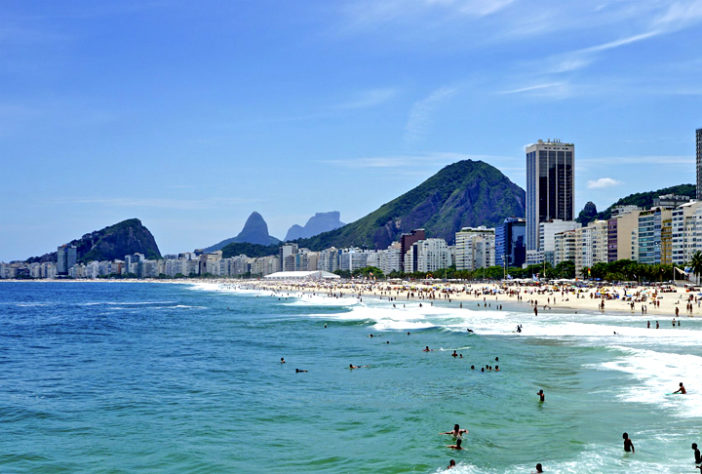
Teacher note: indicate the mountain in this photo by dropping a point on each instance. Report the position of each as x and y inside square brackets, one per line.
[645, 199]
[467, 193]
[113, 242]
[588, 214]
[320, 222]
[255, 231]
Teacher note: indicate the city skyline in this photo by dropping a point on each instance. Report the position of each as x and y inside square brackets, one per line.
[176, 114]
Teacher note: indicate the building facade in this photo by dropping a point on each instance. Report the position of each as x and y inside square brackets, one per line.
[510, 242]
[550, 186]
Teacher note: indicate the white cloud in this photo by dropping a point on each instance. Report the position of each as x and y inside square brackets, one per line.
[160, 203]
[420, 115]
[602, 183]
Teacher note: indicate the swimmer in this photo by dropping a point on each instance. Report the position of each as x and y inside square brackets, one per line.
[460, 356]
[452, 464]
[681, 390]
[426, 349]
[698, 457]
[456, 446]
[351, 366]
[282, 360]
[299, 371]
[497, 359]
[472, 367]
[497, 368]
[325, 325]
[538, 468]
[457, 431]
[628, 445]
[542, 395]
[455, 354]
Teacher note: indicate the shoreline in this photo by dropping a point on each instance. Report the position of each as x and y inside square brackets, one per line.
[547, 298]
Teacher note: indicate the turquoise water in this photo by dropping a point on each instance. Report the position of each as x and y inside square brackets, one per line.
[110, 377]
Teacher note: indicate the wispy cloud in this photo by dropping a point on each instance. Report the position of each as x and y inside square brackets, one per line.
[369, 98]
[398, 161]
[420, 116]
[159, 203]
[650, 159]
[602, 183]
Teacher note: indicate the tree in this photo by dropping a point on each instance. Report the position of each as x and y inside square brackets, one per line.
[696, 264]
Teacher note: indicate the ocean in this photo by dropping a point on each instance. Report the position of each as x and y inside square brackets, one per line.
[122, 377]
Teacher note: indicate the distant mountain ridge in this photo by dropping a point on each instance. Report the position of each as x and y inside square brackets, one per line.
[320, 222]
[643, 199]
[112, 242]
[255, 231]
[466, 193]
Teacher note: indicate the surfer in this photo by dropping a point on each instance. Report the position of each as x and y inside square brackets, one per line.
[681, 390]
[628, 445]
[542, 395]
[457, 431]
[456, 446]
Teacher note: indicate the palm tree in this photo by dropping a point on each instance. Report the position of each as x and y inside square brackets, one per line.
[696, 264]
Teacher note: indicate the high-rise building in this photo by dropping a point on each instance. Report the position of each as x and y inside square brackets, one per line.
[510, 247]
[550, 186]
[699, 163]
[66, 257]
[475, 248]
[406, 241]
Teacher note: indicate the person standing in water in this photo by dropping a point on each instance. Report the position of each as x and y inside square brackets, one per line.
[538, 468]
[457, 431]
[456, 446]
[698, 457]
[542, 396]
[628, 444]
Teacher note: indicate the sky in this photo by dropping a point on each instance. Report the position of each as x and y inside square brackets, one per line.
[191, 115]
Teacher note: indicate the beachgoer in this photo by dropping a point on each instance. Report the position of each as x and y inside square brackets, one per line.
[698, 456]
[657, 325]
[648, 324]
[452, 464]
[681, 390]
[628, 445]
[457, 431]
[538, 468]
[497, 359]
[542, 395]
[282, 360]
[455, 354]
[351, 366]
[497, 368]
[472, 367]
[298, 371]
[426, 349]
[456, 446]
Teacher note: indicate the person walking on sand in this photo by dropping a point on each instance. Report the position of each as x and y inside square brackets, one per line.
[628, 444]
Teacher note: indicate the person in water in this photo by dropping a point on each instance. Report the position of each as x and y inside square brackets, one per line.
[542, 395]
[299, 371]
[698, 456]
[455, 354]
[538, 468]
[282, 360]
[426, 349]
[452, 464]
[457, 431]
[456, 446]
[681, 390]
[628, 444]
[351, 366]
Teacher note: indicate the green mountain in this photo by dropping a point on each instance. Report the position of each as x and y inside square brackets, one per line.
[467, 193]
[250, 250]
[643, 200]
[113, 242]
[255, 231]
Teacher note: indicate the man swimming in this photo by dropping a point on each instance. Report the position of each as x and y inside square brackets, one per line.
[681, 390]
[541, 395]
[455, 354]
[282, 360]
[452, 464]
[426, 349]
[457, 431]
[628, 444]
[299, 371]
[456, 446]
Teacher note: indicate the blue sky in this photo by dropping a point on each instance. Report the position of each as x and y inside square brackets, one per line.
[191, 115]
